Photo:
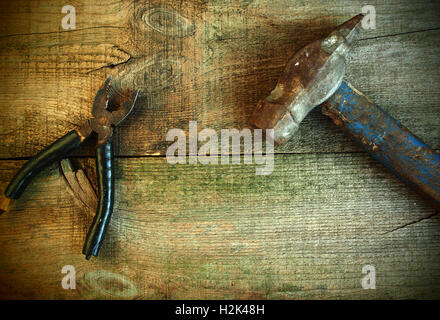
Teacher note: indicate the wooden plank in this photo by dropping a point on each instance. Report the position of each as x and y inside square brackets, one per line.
[207, 231]
[194, 231]
[24, 17]
[211, 63]
[38, 16]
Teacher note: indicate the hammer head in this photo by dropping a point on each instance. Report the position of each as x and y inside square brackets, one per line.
[311, 76]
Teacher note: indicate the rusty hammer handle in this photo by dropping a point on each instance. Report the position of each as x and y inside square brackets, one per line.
[407, 156]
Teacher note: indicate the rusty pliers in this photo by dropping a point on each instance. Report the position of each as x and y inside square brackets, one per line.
[110, 108]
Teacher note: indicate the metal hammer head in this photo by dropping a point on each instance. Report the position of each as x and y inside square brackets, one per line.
[311, 76]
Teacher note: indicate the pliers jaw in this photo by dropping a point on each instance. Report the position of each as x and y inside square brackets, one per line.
[100, 123]
[110, 108]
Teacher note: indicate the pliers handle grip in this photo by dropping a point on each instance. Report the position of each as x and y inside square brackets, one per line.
[56, 151]
[105, 173]
[109, 109]
[106, 197]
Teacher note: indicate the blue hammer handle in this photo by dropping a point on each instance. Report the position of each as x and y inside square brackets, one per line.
[387, 140]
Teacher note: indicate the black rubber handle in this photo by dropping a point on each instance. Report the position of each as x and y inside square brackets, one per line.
[56, 151]
[106, 195]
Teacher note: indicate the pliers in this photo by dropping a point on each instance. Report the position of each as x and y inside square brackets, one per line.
[110, 108]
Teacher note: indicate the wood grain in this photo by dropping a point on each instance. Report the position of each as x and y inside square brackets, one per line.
[214, 70]
[214, 231]
[196, 231]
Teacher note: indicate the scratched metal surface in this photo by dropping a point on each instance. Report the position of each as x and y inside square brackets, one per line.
[406, 155]
[213, 231]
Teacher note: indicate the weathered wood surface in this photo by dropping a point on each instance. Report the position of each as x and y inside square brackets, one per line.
[229, 57]
[199, 231]
[182, 231]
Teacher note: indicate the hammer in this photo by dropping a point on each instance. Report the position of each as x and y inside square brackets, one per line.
[313, 76]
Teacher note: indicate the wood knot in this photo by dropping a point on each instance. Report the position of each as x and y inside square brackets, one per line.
[104, 283]
[152, 74]
[168, 22]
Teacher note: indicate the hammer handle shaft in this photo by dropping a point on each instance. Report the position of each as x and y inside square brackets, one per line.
[407, 156]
